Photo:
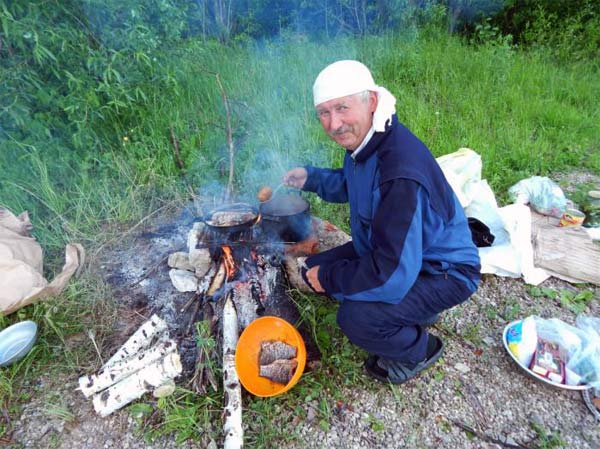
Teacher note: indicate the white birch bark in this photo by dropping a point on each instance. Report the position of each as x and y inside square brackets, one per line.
[140, 339]
[120, 369]
[232, 427]
[134, 386]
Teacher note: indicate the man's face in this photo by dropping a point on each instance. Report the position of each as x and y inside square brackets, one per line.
[347, 120]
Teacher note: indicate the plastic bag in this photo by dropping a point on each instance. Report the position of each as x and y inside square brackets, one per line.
[463, 172]
[484, 207]
[522, 339]
[570, 340]
[543, 194]
[586, 361]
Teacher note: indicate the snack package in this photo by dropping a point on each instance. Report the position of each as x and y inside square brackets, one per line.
[547, 361]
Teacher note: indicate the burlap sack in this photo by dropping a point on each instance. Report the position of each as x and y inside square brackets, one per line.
[21, 264]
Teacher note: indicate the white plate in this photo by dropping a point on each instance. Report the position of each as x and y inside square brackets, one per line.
[531, 373]
[16, 341]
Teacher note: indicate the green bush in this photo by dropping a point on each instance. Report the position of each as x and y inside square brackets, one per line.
[569, 29]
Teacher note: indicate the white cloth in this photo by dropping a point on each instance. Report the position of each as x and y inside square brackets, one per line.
[347, 77]
[364, 143]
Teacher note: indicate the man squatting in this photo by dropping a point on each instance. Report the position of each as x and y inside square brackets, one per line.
[411, 255]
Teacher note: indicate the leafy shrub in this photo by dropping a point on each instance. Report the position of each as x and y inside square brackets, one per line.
[569, 29]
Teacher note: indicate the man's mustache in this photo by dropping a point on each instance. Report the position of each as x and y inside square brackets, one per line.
[341, 130]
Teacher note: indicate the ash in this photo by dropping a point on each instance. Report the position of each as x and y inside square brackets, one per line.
[139, 275]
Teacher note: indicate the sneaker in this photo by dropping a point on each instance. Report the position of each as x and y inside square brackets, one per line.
[397, 372]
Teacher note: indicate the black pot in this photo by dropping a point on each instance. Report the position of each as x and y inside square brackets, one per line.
[288, 216]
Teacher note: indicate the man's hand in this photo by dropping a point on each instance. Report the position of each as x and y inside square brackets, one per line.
[296, 177]
[313, 279]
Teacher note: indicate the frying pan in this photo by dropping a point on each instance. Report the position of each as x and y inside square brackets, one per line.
[234, 207]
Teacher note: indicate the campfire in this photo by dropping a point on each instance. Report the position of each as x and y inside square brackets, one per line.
[239, 266]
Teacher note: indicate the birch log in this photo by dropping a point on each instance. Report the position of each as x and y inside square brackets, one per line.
[120, 369]
[133, 387]
[140, 339]
[232, 428]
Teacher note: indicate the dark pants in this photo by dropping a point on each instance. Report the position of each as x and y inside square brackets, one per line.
[393, 331]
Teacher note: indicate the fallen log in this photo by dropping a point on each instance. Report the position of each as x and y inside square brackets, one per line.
[120, 369]
[151, 377]
[232, 427]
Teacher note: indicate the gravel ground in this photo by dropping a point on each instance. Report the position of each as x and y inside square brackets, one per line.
[476, 384]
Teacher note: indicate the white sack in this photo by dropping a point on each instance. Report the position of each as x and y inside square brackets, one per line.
[512, 252]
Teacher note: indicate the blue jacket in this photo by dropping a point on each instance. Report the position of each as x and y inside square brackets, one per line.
[404, 219]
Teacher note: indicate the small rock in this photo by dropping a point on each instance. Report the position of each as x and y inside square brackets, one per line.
[180, 261]
[489, 341]
[183, 281]
[200, 260]
[462, 368]
[311, 414]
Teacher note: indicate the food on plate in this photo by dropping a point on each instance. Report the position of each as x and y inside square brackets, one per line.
[279, 371]
[275, 350]
[230, 218]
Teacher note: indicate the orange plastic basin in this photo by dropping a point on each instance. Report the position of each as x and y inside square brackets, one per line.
[246, 355]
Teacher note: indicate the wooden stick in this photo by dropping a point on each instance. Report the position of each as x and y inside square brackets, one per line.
[189, 302]
[119, 370]
[484, 437]
[176, 152]
[232, 427]
[217, 281]
[229, 139]
[195, 310]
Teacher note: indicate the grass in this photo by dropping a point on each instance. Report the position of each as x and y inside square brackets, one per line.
[524, 114]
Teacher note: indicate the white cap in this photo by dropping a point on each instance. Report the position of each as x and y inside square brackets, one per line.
[343, 78]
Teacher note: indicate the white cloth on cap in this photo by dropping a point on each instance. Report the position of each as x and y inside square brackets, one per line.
[343, 78]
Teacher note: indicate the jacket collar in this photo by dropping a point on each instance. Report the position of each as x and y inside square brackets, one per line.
[372, 145]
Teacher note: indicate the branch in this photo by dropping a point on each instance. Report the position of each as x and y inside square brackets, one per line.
[484, 437]
[176, 151]
[229, 139]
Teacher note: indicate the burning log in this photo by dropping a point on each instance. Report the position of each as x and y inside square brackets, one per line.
[217, 281]
[133, 387]
[232, 428]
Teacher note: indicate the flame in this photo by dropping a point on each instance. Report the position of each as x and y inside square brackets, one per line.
[228, 261]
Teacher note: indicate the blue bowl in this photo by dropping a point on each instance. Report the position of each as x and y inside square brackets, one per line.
[16, 341]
